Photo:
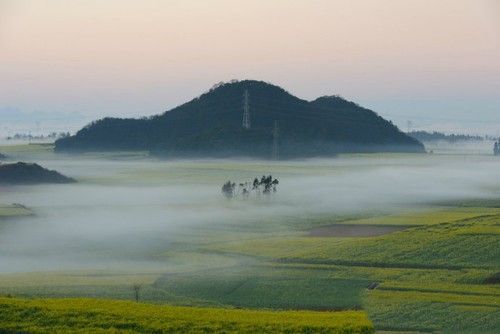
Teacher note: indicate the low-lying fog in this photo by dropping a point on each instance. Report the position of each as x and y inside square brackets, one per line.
[127, 212]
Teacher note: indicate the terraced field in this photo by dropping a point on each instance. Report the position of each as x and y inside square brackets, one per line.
[442, 275]
[464, 243]
[432, 277]
[432, 267]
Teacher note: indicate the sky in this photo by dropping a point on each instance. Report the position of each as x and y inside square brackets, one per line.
[432, 62]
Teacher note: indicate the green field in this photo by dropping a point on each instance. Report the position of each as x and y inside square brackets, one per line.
[433, 277]
[438, 272]
[437, 276]
[12, 211]
[105, 316]
[22, 150]
[461, 244]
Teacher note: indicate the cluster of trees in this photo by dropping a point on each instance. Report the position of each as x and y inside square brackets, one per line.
[50, 136]
[265, 185]
[436, 136]
[496, 148]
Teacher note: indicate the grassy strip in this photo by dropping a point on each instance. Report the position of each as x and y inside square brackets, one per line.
[108, 316]
[370, 264]
[11, 211]
[463, 292]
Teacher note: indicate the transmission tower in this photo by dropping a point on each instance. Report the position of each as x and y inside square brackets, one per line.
[246, 111]
[276, 148]
[409, 124]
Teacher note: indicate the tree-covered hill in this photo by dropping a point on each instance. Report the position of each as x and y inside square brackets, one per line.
[27, 173]
[211, 125]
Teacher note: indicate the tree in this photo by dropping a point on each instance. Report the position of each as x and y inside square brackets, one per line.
[496, 148]
[269, 184]
[137, 288]
[243, 189]
[255, 184]
[265, 185]
[228, 189]
[275, 184]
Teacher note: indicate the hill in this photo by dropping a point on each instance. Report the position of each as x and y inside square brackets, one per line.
[211, 125]
[24, 173]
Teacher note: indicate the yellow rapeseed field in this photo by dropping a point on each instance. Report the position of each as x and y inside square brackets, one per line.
[111, 316]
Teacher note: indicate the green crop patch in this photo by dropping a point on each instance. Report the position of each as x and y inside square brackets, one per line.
[14, 210]
[412, 310]
[436, 216]
[105, 316]
[460, 244]
[268, 287]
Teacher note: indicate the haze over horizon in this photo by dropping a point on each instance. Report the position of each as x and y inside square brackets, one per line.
[433, 63]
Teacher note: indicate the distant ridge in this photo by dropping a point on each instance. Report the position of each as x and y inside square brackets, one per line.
[439, 136]
[27, 173]
[211, 125]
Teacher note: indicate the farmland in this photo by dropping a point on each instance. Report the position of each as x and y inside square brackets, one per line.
[101, 316]
[12, 210]
[426, 264]
[431, 277]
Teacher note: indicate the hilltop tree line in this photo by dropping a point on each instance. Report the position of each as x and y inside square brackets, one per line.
[436, 136]
[265, 185]
[29, 136]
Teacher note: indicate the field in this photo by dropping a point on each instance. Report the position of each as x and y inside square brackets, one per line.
[104, 316]
[434, 291]
[11, 211]
[438, 276]
[308, 254]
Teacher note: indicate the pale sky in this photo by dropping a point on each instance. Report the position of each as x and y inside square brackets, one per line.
[434, 62]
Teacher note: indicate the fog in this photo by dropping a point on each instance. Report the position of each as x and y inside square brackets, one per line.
[124, 213]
